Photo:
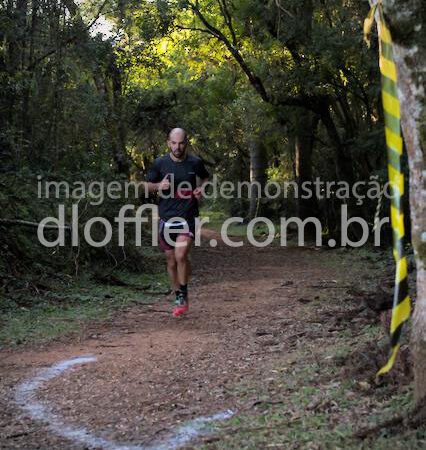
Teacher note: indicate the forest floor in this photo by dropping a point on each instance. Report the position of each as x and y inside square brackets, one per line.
[279, 336]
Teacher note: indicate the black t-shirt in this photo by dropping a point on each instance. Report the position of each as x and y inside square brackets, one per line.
[182, 176]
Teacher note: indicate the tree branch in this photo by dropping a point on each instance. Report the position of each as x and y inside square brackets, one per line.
[255, 81]
[228, 20]
[306, 102]
[71, 39]
[277, 2]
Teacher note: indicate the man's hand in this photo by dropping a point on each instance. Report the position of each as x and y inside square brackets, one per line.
[164, 184]
[198, 192]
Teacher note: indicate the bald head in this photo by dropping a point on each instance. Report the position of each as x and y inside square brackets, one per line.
[177, 143]
[177, 132]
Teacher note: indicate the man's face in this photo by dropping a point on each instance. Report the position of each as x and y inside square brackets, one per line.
[177, 144]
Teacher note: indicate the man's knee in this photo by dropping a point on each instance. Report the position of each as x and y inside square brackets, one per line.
[171, 260]
[181, 253]
[181, 256]
[172, 264]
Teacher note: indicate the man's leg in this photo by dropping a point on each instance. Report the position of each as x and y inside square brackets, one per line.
[172, 269]
[182, 260]
[181, 254]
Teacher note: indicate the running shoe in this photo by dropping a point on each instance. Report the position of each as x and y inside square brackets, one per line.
[181, 305]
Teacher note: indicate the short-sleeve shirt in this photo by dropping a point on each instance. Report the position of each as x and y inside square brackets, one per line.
[183, 177]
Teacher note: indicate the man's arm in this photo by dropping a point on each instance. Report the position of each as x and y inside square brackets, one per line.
[155, 183]
[198, 191]
[163, 185]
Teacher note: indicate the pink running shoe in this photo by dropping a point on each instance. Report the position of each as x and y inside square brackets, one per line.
[181, 305]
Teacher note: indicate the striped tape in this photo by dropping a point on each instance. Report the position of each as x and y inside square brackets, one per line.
[401, 301]
[378, 209]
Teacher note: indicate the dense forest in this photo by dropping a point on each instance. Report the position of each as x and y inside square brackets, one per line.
[268, 91]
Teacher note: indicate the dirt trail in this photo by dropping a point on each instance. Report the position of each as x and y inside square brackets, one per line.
[153, 371]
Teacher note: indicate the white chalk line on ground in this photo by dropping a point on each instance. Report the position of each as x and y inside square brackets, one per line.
[25, 397]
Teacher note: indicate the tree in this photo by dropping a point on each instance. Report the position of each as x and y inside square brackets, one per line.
[407, 22]
[300, 60]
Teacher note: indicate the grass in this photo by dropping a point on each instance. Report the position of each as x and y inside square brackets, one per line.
[319, 395]
[319, 410]
[68, 309]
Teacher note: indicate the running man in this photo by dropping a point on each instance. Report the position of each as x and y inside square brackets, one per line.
[178, 171]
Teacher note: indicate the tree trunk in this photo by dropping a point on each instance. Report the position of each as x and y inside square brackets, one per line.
[305, 122]
[407, 22]
[117, 121]
[344, 165]
[109, 86]
[304, 142]
[258, 165]
[34, 25]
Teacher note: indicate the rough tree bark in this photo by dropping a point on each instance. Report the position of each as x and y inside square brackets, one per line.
[407, 22]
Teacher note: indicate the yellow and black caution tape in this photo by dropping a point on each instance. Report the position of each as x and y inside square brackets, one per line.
[401, 301]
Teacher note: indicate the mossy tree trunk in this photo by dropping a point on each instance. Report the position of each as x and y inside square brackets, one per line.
[407, 22]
